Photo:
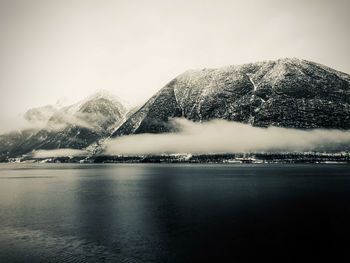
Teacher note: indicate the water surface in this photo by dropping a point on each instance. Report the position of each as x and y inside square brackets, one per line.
[174, 213]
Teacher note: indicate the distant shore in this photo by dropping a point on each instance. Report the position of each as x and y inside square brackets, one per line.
[294, 157]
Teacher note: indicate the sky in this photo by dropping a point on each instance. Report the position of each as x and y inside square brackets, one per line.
[65, 50]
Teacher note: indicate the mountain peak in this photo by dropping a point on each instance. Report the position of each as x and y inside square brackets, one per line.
[108, 95]
[288, 92]
[75, 126]
[105, 94]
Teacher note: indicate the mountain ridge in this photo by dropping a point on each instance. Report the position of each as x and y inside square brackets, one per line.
[287, 92]
[74, 126]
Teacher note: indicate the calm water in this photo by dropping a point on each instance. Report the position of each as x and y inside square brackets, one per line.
[174, 213]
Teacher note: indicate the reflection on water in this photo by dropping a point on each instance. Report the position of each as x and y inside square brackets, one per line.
[173, 213]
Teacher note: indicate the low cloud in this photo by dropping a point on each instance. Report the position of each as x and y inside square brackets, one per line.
[220, 136]
[60, 120]
[59, 153]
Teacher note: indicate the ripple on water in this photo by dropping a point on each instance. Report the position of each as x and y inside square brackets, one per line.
[38, 246]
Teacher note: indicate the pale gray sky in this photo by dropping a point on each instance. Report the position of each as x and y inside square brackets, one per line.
[71, 48]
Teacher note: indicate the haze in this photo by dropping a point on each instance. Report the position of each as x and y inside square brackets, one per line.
[220, 136]
[51, 50]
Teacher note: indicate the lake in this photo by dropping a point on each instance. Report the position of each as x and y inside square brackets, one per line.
[174, 212]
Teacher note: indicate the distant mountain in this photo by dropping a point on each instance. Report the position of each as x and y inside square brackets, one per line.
[286, 93]
[41, 114]
[75, 126]
[290, 93]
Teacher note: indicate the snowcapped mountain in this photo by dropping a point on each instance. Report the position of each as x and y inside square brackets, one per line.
[286, 93]
[75, 126]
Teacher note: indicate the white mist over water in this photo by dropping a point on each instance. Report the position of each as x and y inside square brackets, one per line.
[220, 136]
[59, 153]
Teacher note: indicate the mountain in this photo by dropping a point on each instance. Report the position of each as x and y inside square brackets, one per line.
[41, 114]
[76, 126]
[291, 93]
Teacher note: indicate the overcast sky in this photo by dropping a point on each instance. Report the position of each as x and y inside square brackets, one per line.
[71, 48]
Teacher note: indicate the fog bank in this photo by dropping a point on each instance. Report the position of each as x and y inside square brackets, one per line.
[220, 136]
[59, 153]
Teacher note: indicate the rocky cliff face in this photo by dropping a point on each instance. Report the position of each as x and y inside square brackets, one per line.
[76, 126]
[287, 93]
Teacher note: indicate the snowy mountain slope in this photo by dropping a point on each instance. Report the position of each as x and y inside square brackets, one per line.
[286, 92]
[75, 126]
